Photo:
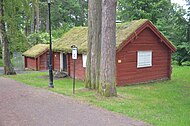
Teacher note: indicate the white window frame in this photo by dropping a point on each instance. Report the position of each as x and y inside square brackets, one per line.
[84, 60]
[144, 59]
[61, 61]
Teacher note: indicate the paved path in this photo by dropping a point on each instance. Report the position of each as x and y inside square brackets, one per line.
[22, 105]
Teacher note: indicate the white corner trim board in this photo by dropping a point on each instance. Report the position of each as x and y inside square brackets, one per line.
[84, 58]
[144, 59]
[61, 61]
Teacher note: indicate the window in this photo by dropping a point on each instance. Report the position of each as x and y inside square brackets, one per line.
[144, 59]
[84, 57]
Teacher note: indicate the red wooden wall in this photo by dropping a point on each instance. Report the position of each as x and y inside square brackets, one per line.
[30, 63]
[80, 70]
[39, 63]
[43, 61]
[56, 61]
[127, 71]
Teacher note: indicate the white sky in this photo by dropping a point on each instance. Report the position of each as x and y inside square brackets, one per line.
[180, 2]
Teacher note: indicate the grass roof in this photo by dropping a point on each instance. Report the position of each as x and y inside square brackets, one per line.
[36, 50]
[79, 36]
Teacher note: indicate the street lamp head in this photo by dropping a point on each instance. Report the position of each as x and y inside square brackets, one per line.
[73, 46]
[49, 1]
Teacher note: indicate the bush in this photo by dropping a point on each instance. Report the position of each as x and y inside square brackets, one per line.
[43, 37]
[187, 63]
[174, 62]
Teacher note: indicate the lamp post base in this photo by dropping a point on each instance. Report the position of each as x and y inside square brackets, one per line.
[51, 85]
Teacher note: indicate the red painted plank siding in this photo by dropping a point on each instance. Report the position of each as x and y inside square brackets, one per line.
[80, 70]
[56, 61]
[30, 63]
[127, 71]
[39, 63]
[43, 61]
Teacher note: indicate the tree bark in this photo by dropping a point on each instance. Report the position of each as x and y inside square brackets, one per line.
[88, 65]
[81, 19]
[1, 40]
[8, 68]
[37, 15]
[47, 21]
[108, 49]
[33, 18]
[94, 40]
[26, 27]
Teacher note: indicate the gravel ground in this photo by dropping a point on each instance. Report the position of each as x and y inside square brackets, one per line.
[22, 105]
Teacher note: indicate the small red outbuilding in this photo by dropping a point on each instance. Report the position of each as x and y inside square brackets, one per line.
[36, 58]
[143, 53]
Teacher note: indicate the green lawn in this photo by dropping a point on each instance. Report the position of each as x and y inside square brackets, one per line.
[164, 103]
[1, 62]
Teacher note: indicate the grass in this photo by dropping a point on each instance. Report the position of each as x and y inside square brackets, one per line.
[165, 103]
[1, 63]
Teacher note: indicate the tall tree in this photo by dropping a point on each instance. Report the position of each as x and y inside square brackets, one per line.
[8, 68]
[90, 35]
[148, 9]
[175, 27]
[108, 49]
[37, 15]
[33, 17]
[94, 44]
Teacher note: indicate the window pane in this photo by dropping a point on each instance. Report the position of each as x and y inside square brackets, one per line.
[144, 59]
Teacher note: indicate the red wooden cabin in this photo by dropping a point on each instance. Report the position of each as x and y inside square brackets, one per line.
[143, 53]
[144, 56]
[36, 58]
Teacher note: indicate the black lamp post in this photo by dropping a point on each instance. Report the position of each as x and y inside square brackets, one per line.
[50, 50]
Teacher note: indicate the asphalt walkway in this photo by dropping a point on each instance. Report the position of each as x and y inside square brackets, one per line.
[22, 105]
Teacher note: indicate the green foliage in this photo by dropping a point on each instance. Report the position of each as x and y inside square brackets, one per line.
[141, 9]
[18, 42]
[57, 33]
[161, 103]
[43, 37]
[183, 53]
[18, 18]
[15, 13]
[72, 12]
[186, 63]
[36, 38]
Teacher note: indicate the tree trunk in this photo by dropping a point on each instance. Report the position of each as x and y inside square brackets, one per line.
[88, 65]
[26, 27]
[81, 19]
[1, 39]
[47, 21]
[8, 68]
[37, 15]
[108, 49]
[94, 40]
[33, 18]
[188, 31]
